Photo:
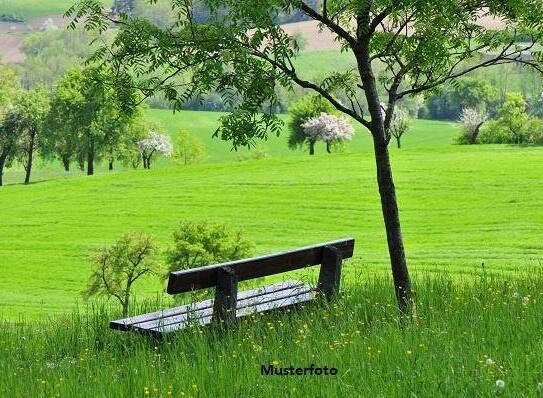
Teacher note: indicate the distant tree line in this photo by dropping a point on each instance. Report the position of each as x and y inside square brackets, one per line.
[80, 121]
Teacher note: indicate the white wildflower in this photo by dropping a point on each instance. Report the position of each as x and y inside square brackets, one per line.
[500, 383]
[489, 361]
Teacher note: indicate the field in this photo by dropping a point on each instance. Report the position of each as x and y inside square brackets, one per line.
[34, 8]
[477, 339]
[425, 133]
[461, 206]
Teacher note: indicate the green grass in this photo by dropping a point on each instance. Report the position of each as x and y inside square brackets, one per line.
[35, 8]
[460, 206]
[425, 133]
[466, 337]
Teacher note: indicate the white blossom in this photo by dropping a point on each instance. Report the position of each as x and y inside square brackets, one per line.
[328, 128]
[500, 383]
[489, 361]
[472, 119]
[156, 142]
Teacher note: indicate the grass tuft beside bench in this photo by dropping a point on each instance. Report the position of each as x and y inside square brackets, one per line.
[229, 304]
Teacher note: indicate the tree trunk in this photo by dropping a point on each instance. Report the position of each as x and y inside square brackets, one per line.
[391, 217]
[90, 156]
[399, 142]
[311, 147]
[30, 158]
[110, 165]
[387, 191]
[328, 147]
[90, 163]
[2, 164]
[66, 163]
[473, 138]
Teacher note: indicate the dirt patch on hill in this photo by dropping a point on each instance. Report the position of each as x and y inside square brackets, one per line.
[10, 49]
[12, 36]
[317, 40]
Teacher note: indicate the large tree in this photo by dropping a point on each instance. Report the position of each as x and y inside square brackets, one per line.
[9, 139]
[31, 108]
[242, 53]
[85, 107]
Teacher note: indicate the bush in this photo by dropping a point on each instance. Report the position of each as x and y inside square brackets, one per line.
[118, 267]
[197, 244]
[189, 149]
[254, 154]
[534, 131]
[494, 133]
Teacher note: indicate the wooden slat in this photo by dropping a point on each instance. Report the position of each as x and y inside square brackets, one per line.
[204, 277]
[243, 306]
[258, 307]
[129, 323]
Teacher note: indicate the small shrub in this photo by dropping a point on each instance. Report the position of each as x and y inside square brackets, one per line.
[255, 154]
[494, 133]
[198, 244]
[534, 131]
[118, 267]
[189, 149]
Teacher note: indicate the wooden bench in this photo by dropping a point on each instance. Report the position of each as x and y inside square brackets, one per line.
[229, 304]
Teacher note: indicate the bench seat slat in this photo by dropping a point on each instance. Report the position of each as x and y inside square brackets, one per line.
[249, 302]
[282, 302]
[186, 311]
[244, 306]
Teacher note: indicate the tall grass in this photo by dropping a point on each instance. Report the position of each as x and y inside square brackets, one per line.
[465, 337]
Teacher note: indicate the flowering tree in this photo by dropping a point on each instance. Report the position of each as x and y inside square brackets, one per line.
[153, 144]
[472, 120]
[328, 128]
[400, 124]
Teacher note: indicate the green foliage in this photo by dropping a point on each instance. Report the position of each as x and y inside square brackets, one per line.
[51, 53]
[300, 112]
[513, 117]
[9, 84]
[514, 125]
[448, 103]
[188, 148]
[197, 244]
[116, 268]
[88, 112]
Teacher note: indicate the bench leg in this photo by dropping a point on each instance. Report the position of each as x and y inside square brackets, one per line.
[330, 273]
[226, 296]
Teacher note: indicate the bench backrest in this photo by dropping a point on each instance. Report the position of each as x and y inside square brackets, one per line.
[204, 277]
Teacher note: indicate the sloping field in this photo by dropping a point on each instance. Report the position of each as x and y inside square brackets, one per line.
[459, 206]
[425, 133]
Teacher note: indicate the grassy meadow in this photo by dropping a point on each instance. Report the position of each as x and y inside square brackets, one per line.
[425, 133]
[460, 207]
[34, 8]
[474, 339]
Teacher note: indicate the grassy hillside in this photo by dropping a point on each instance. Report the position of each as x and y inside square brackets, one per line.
[460, 206]
[425, 133]
[34, 8]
